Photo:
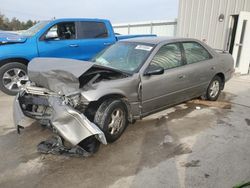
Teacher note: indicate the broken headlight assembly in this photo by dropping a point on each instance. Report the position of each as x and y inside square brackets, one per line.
[77, 101]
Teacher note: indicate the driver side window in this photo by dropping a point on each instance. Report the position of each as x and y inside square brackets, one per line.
[62, 31]
[168, 56]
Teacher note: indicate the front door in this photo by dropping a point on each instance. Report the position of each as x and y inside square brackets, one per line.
[159, 91]
[241, 47]
[59, 41]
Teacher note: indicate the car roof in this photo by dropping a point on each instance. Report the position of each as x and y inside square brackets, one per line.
[158, 40]
[77, 19]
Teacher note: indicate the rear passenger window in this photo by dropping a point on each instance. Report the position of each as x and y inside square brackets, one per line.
[195, 52]
[91, 30]
[168, 56]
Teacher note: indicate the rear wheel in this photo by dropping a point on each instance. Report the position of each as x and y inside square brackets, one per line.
[12, 77]
[214, 89]
[112, 118]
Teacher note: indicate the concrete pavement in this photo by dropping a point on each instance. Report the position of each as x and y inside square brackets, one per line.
[183, 146]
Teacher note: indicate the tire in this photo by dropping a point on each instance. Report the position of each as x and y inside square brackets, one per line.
[13, 75]
[214, 89]
[112, 118]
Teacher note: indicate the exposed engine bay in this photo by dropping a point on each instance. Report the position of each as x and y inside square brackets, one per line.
[95, 75]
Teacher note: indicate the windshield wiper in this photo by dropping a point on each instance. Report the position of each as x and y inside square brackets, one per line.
[114, 69]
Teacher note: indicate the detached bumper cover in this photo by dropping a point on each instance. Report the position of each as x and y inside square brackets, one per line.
[69, 123]
[72, 125]
[18, 115]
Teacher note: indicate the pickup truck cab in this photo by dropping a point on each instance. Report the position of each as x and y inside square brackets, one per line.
[79, 38]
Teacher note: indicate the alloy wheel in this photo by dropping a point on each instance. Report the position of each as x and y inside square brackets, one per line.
[14, 79]
[116, 121]
[214, 88]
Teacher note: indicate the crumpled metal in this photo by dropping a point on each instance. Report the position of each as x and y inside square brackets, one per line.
[55, 146]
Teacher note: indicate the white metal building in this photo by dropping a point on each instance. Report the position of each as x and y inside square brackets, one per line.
[160, 28]
[222, 24]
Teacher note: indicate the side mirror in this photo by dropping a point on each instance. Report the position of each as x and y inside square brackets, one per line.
[51, 35]
[153, 70]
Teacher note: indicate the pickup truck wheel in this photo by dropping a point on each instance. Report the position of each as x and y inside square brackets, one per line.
[12, 77]
[112, 118]
[214, 89]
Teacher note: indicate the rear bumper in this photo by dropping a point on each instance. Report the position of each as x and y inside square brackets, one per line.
[72, 125]
[229, 74]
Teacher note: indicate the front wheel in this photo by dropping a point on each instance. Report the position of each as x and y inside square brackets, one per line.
[112, 118]
[214, 89]
[12, 77]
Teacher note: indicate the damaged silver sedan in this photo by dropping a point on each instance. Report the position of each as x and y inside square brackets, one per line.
[86, 102]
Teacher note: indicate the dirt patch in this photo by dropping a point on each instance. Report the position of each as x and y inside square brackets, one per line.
[159, 145]
[247, 121]
[217, 104]
[226, 96]
[161, 121]
[206, 175]
[222, 122]
[193, 163]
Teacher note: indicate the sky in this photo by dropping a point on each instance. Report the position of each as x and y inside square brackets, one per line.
[115, 10]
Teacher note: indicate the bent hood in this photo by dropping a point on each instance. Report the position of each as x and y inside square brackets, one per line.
[7, 38]
[58, 74]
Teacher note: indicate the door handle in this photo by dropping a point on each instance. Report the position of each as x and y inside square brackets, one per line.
[182, 76]
[107, 43]
[212, 68]
[73, 45]
[238, 44]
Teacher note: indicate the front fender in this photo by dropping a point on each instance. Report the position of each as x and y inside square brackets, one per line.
[93, 95]
[72, 125]
[126, 87]
[26, 50]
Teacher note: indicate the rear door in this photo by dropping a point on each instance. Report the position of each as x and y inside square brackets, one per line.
[199, 69]
[92, 37]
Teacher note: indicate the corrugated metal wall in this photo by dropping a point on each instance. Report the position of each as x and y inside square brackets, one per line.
[160, 28]
[200, 19]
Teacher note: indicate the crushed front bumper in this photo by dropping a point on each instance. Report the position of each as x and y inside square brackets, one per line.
[72, 125]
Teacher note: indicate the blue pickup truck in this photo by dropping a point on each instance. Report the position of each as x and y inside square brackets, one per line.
[67, 38]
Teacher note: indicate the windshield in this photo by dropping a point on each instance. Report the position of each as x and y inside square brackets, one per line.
[124, 56]
[34, 29]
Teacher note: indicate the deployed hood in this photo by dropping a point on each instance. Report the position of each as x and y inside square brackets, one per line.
[58, 74]
[8, 37]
